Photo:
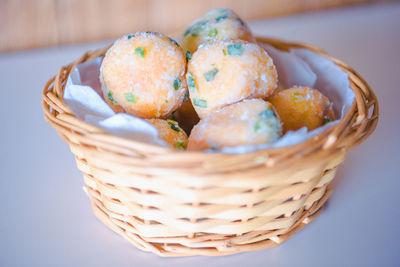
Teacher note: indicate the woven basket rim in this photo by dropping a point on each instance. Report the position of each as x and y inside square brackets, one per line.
[352, 129]
[250, 201]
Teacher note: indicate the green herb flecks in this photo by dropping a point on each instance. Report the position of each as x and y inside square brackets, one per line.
[327, 120]
[187, 31]
[241, 22]
[213, 146]
[295, 95]
[224, 52]
[181, 145]
[174, 125]
[262, 125]
[196, 29]
[222, 17]
[188, 56]
[259, 125]
[139, 51]
[216, 12]
[213, 33]
[177, 83]
[130, 97]
[210, 75]
[130, 36]
[174, 42]
[201, 103]
[267, 113]
[190, 81]
[235, 49]
[186, 96]
[269, 124]
[173, 115]
[110, 96]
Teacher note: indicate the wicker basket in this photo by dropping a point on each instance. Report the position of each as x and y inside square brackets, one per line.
[191, 203]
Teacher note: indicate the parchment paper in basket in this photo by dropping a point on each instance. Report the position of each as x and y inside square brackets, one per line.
[297, 67]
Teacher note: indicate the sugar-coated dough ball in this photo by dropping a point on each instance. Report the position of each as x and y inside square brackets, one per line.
[302, 106]
[170, 132]
[224, 72]
[217, 24]
[186, 116]
[249, 122]
[143, 75]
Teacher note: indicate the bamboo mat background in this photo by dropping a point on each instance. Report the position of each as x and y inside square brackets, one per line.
[37, 23]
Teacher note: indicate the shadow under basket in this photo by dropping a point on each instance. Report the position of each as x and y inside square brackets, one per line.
[176, 203]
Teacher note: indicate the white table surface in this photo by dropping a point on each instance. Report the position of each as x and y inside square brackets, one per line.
[46, 219]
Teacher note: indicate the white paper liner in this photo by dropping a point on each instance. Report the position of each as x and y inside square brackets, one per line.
[83, 96]
[298, 67]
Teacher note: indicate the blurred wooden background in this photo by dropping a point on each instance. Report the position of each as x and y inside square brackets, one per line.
[37, 23]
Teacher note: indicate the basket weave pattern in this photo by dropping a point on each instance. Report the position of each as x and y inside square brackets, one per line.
[176, 203]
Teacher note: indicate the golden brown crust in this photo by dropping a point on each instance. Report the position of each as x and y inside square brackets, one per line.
[170, 132]
[225, 72]
[249, 122]
[145, 73]
[302, 106]
[217, 24]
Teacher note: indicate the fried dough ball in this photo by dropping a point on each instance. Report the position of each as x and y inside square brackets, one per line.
[170, 132]
[302, 106]
[249, 122]
[224, 72]
[143, 75]
[217, 24]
